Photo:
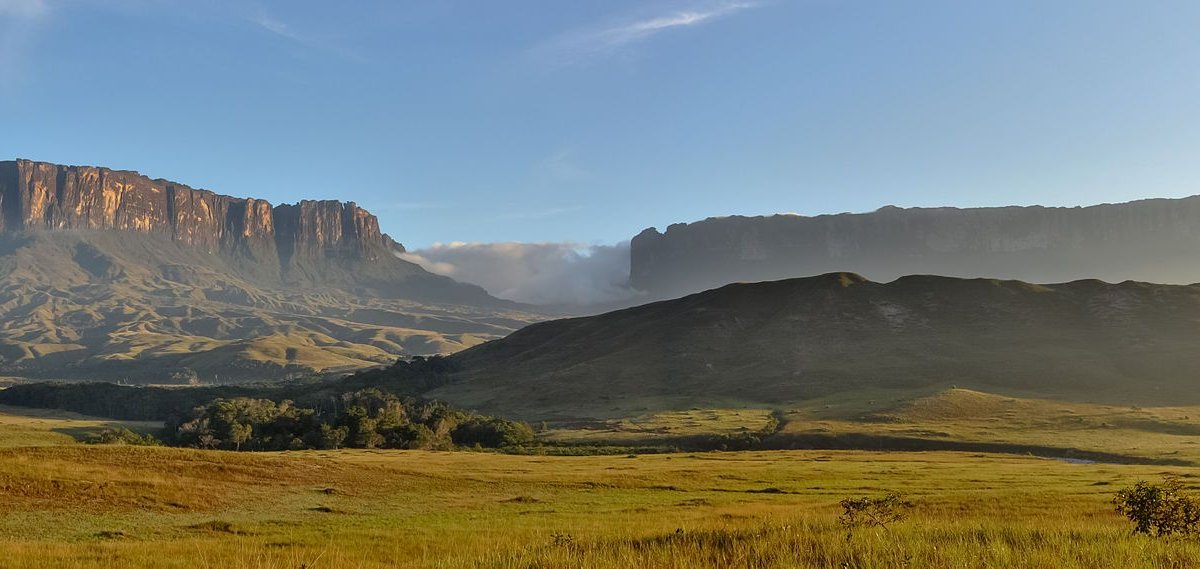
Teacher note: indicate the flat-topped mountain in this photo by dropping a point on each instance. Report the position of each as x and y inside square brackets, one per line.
[308, 243]
[1150, 240]
[110, 274]
[773, 343]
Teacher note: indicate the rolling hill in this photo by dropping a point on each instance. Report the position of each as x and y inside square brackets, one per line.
[776, 344]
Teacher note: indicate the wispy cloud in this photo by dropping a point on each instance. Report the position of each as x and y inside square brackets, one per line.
[579, 45]
[22, 8]
[279, 28]
[560, 167]
[19, 23]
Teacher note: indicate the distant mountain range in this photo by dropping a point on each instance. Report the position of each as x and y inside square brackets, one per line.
[112, 275]
[773, 343]
[1151, 240]
[109, 274]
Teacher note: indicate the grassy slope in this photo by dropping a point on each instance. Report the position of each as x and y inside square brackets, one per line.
[21, 427]
[141, 307]
[945, 419]
[78, 506]
[787, 342]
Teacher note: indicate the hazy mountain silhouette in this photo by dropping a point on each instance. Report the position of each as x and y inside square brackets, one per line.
[1154, 240]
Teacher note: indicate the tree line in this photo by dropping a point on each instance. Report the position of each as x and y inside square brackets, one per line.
[378, 408]
[367, 418]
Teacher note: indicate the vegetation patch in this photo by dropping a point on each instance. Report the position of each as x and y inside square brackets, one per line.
[1160, 510]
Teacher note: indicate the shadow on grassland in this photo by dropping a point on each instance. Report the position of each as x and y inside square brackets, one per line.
[859, 441]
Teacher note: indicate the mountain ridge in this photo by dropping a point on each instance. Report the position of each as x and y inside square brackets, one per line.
[43, 196]
[775, 342]
[1154, 240]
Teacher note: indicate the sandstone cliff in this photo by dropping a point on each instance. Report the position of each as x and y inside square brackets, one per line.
[41, 196]
[311, 243]
[1150, 240]
[111, 275]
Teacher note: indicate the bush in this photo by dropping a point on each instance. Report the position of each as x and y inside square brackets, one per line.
[873, 512]
[120, 436]
[1160, 510]
[492, 432]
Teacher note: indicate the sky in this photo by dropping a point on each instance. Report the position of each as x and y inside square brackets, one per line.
[586, 121]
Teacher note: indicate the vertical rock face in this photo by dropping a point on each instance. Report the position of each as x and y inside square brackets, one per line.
[329, 228]
[36, 196]
[1150, 240]
[309, 245]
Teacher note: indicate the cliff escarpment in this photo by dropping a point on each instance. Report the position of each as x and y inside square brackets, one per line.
[308, 244]
[1150, 240]
[37, 196]
[112, 275]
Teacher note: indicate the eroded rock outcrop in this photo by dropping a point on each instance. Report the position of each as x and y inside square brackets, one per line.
[38, 196]
[41, 196]
[1150, 240]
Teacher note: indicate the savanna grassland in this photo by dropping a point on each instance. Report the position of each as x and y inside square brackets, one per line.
[72, 505]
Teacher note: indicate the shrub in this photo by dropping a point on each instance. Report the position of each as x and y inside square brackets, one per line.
[1160, 510]
[492, 432]
[120, 436]
[873, 512]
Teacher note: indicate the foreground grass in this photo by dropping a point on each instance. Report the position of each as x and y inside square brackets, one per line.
[64, 504]
[78, 506]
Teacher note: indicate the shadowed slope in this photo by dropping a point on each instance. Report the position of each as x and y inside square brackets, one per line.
[774, 342]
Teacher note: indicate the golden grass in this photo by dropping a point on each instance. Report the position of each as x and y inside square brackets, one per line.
[665, 424]
[1148, 433]
[31, 427]
[75, 506]
[79, 506]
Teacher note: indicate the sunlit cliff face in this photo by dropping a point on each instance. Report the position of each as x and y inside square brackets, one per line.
[41, 196]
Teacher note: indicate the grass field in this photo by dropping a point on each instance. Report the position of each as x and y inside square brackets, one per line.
[72, 505]
[21, 427]
[929, 419]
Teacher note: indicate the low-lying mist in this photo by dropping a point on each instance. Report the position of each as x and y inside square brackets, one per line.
[535, 273]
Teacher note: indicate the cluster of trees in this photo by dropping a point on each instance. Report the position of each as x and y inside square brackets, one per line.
[366, 418]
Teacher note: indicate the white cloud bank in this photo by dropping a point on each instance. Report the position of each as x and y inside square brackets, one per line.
[535, 273]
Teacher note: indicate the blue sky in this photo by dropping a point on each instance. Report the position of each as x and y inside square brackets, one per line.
[586, 121]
